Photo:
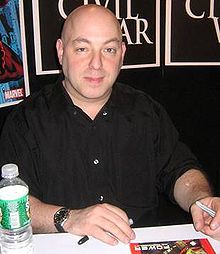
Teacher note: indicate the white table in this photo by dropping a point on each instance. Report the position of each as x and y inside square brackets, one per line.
[67, 244]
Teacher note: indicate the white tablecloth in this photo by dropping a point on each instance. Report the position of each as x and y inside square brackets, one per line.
[67, 244]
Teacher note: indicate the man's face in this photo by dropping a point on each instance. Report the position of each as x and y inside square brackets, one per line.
[91, 54]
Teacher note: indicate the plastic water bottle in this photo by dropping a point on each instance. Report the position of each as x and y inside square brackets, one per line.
[15, 223]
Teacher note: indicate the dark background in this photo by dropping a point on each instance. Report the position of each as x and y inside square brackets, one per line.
[191, 95]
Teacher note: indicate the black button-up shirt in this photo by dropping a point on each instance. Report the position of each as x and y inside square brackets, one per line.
[125, 156]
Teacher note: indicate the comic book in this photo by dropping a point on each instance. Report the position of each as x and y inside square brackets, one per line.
[191, 246]
[14, 85]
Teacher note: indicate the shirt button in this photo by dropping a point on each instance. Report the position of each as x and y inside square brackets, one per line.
[75, 113]
[101, 198]
[105, 113]
[96, 161]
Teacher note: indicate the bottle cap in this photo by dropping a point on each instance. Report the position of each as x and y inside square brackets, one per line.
[9, 170]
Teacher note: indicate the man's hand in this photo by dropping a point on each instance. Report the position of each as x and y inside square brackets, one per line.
[103, 221]
[205, 223]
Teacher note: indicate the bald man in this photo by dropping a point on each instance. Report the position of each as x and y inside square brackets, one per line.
[91, 53]
[95, 152]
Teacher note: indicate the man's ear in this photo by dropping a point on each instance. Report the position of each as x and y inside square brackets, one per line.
[59, 47]
[123, 49]
[123, 46]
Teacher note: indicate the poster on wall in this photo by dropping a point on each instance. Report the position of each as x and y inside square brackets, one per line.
[14, 85]
[192, 32]
[139, 20]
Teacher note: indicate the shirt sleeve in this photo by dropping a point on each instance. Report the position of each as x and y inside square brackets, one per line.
[17, 145]
[174, 157]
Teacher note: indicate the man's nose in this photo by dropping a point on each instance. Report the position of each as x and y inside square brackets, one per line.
[95, 61]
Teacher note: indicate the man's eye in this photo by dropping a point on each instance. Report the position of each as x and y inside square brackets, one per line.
[110, 50]
[81, 50]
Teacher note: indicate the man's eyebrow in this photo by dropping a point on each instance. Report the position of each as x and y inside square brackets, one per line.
[84, 40]
[113, 40]
[81, 39]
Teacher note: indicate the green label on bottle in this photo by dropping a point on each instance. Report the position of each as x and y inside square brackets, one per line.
[14, 213]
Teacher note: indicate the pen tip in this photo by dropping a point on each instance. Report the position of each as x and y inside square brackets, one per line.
[131, 222]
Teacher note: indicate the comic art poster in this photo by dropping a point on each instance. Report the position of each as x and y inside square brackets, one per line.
[192, 33]
[139, 20]
[190, 246]
[13, 66]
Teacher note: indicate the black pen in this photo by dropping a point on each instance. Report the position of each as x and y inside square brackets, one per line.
[85, 238]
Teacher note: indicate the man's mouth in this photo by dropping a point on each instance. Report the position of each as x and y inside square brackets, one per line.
[94, 79]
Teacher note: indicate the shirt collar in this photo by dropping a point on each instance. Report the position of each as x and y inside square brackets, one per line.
[60, 100]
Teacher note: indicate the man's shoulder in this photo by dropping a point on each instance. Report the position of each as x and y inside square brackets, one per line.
[36, 102]
[42, 96]
[136, 99]
[128, 89]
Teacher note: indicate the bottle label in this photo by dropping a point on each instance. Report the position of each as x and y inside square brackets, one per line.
[14, 213]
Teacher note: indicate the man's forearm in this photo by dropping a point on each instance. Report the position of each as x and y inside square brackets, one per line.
[191, 186]
[95, 220]
[42, 216]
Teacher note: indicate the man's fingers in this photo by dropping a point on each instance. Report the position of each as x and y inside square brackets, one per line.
[110, 233]
[197, 216]
[112, 225]
[105, 222]
[118, 224]
[212, 233]
[204, 222]
[117, 211]
[103, 236]
[109, 216]
[121, 230]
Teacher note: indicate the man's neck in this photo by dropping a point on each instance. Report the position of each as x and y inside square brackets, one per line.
[91, 110]
[90, 106]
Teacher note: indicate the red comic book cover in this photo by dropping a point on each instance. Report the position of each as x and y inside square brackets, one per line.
[191, 246]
